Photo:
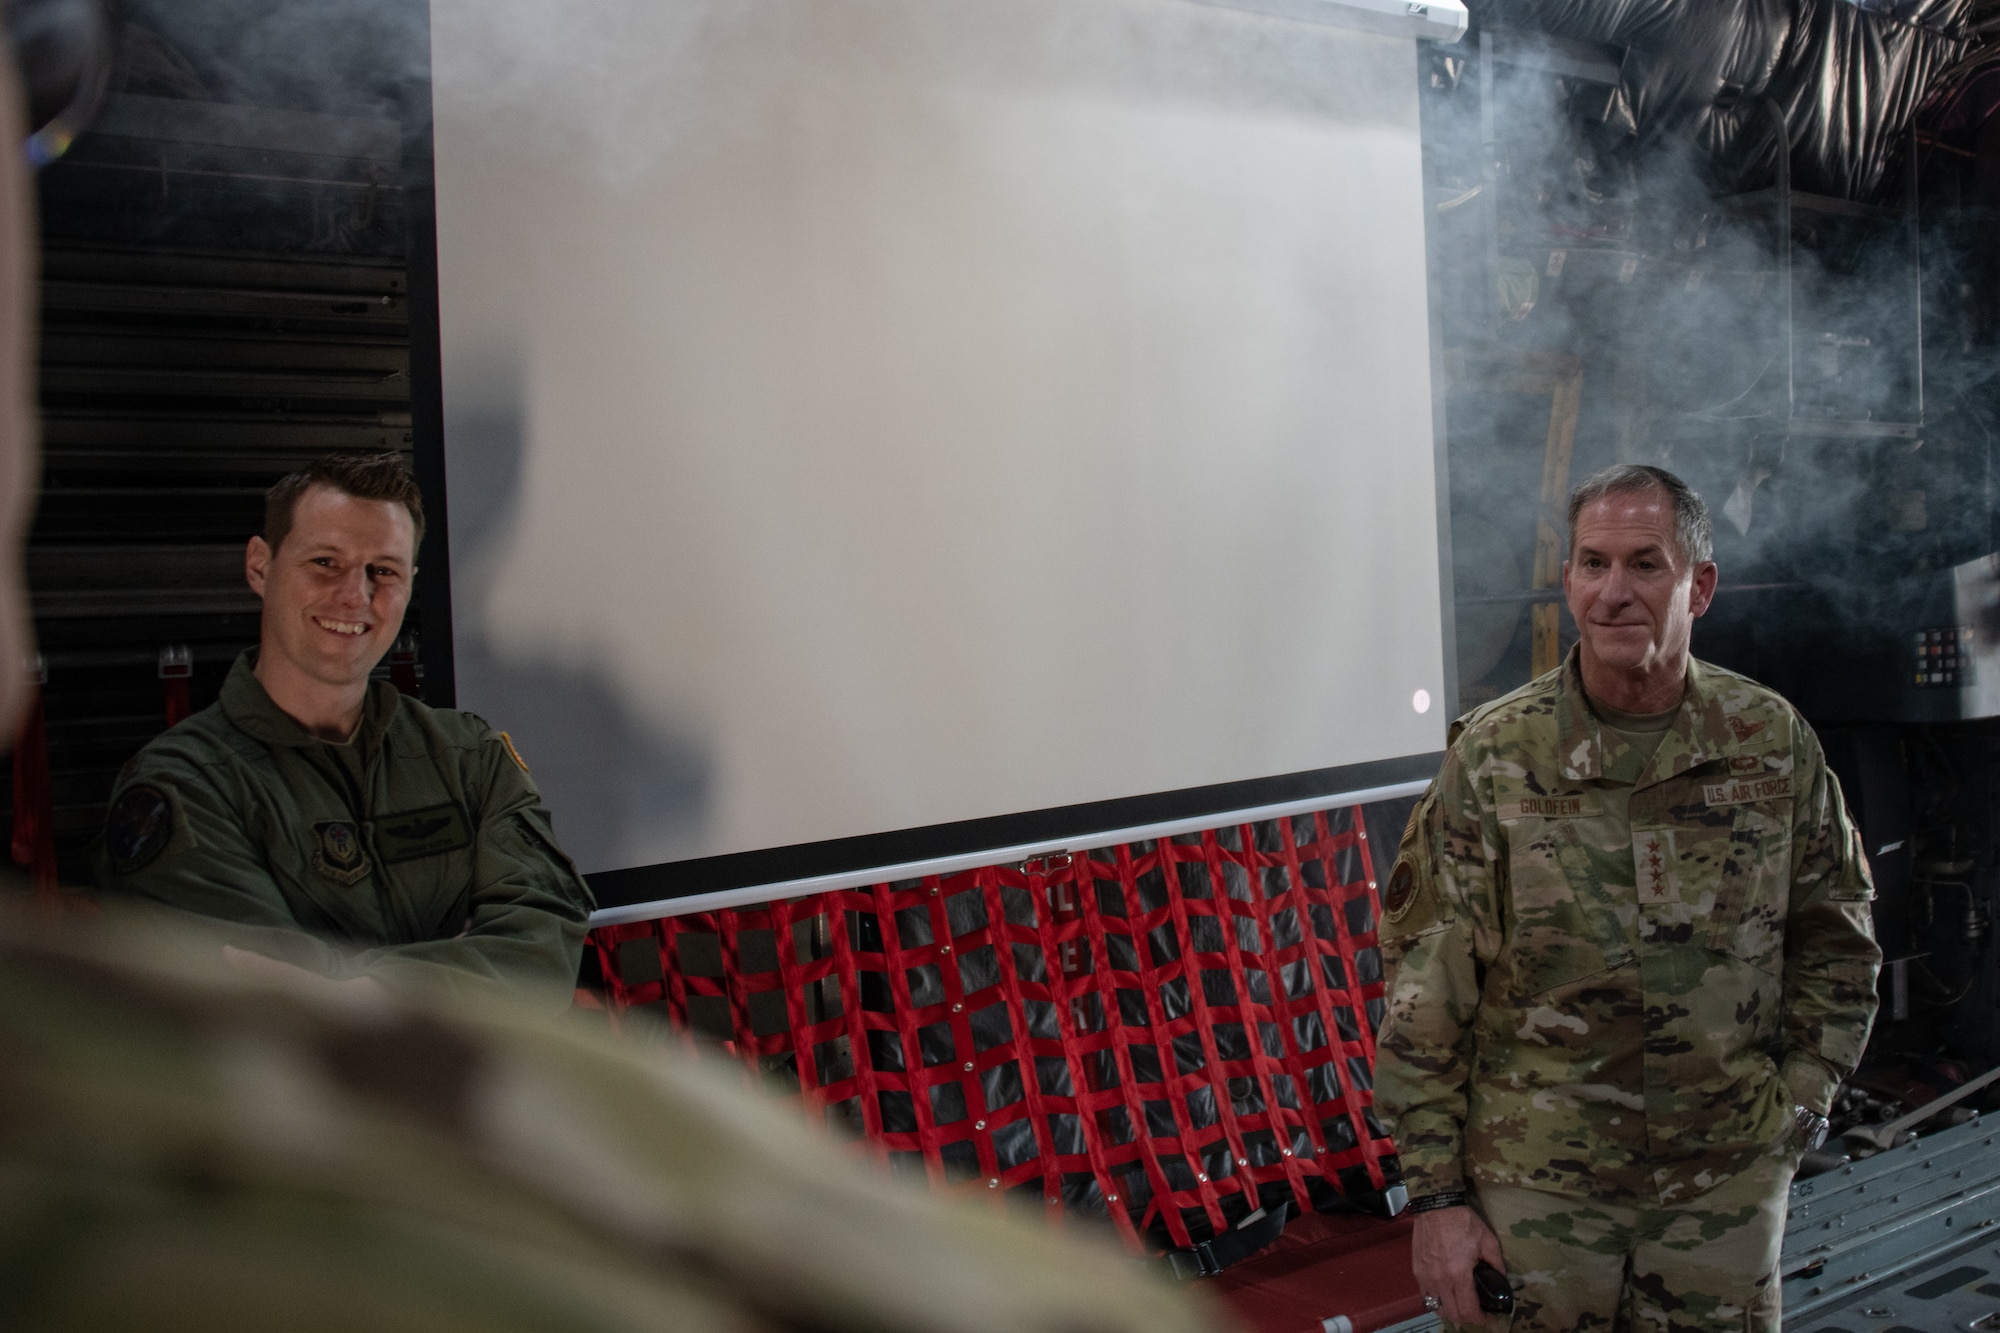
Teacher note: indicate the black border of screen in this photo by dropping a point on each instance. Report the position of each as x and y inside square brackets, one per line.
[935, 842]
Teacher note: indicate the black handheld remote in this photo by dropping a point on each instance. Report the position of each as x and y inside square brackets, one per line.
[1495, 1296]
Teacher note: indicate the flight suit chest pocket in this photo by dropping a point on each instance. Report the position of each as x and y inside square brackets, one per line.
[425, 856]
[431, 831]
[1562, 923]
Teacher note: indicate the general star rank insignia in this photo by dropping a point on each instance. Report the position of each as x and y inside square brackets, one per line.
[337, 851]
[1653, 859]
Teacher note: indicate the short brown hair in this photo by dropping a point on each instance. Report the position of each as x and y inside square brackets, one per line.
[383, 476]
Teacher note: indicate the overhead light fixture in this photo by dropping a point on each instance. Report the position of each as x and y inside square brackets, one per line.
[1433, 20]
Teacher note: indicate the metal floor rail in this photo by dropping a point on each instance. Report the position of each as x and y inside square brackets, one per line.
[1853, 1230]
[1866, 1222]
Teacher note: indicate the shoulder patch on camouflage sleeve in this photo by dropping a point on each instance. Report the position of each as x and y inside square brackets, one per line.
[138, 827]
[1402, 891]
[1410, 903]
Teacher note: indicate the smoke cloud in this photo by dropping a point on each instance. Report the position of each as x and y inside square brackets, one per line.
[1651, 253]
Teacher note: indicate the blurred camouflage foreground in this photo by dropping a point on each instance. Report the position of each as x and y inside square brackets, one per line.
[186, 1147]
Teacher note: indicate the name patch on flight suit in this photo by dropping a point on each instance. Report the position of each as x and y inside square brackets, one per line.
[337, 851]
[1584, 806]
[431, 831]
[1739, 790]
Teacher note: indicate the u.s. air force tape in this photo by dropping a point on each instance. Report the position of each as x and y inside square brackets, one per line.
[1742, 791]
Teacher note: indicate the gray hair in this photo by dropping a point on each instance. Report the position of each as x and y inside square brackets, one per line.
[1693, 532]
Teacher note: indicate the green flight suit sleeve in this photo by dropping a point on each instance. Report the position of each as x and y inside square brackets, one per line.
[526, 904]
[1436, 933]
[173, 838]
[1831, 958]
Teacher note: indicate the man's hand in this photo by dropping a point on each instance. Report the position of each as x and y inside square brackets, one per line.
[1444, 1248]
[257, 965]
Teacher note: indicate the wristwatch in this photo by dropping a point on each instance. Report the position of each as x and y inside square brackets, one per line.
[1812, 1126]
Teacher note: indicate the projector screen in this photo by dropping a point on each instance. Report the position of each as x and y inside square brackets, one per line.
[888, 429]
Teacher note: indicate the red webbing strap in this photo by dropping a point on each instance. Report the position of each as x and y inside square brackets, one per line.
[176, 679]
[674, 988]
[34, 841]
[893, 912]
[1000, 935]
[1242, 898]
[1218, 1163]
[1179, 1155]
[1098, 1032]
[742, 1040]
[178, 699]
[1197, 954]
[1356, 1053]
[1251, 949]
[813, 985]
[845, 914]
[1013, 940]
[1056, 903]
[403, 666]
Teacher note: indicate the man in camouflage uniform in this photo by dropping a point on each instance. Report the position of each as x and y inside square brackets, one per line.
[330, 822]
[1630, 958]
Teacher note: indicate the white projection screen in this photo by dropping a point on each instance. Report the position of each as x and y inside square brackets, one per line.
[886, 429]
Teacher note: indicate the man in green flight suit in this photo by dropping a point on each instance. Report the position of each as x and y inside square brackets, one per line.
[1630, 957]
[191, 1146]
[332, 823]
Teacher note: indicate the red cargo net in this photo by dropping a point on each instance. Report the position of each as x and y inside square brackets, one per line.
[1170, 1033]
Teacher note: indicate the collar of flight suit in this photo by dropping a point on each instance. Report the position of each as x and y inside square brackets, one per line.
[251, 710]
[1701, 728]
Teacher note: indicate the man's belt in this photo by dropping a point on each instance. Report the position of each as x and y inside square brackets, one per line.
[1250, 1235]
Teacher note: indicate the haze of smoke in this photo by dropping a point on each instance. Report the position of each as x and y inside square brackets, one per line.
[1684, 359]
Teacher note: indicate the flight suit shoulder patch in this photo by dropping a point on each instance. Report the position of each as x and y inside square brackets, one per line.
[139, 826]
[431, 831]
[513, 753]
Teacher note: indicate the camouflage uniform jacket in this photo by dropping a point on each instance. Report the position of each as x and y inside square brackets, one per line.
[1620, 991]
[420, 849]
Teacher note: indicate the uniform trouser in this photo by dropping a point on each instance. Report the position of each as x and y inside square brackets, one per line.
[1708, 1264]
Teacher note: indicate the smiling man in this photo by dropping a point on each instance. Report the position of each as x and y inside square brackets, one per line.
[330, 822]
[1630, 957]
